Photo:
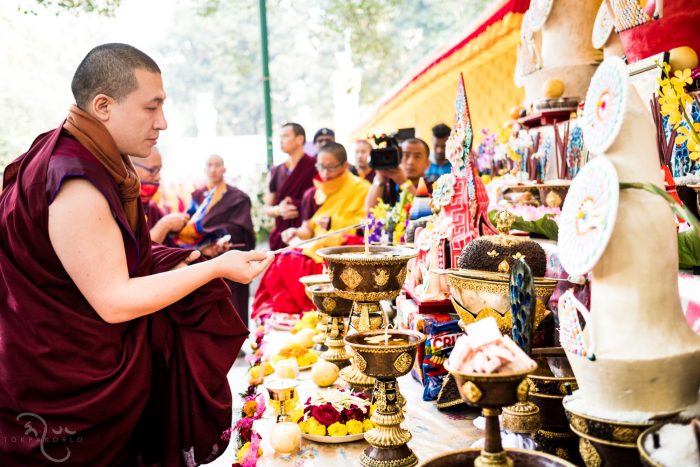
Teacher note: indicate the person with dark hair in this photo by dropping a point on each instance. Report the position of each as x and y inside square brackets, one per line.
[439, 165]
[415, 160]
[336, 201]
[121, 342]
[362, 152]
[287, 183]
[322, 137]
[159, 223]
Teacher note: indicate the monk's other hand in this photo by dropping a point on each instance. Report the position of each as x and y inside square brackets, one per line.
[194, 256]
[243, 266]
[324, 222]
[287, 209]
[175, 221]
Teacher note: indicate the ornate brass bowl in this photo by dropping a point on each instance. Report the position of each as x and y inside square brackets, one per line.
[367, 278]
[644, 453]
[387, 440]
[547, 391]
[491, 392]
[606, 442]
[320, 337]
[336, 309]
[521, 457]
[480, 294]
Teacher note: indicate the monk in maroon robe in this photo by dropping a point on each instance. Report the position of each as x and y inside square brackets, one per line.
[219, 210]
[112, 352]
[288, 182]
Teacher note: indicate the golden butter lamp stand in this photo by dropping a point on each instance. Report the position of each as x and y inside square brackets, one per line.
[384, 363]
[366, 275]
[336, 309]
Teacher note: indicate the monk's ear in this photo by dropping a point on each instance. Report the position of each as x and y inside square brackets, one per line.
[100, 107]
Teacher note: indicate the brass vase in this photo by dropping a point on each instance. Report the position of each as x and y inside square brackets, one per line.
[336, 309]
[320, 338]
[366, 279]
[387, 440]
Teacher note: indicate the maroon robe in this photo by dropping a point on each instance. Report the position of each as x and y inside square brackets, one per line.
[231, 215]
[153, 214]
[75, 387]
[292, 185]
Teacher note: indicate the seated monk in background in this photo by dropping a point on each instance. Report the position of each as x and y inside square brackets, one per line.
[336, 201]
[220, 220]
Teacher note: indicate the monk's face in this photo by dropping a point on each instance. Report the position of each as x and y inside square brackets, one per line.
[148, 169]
[289, 142]
[415, 160]
[215, 170]
[328, 166]
[135, 121]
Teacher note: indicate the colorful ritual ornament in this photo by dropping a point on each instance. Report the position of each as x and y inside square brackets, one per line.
[571, 333]
[522, 304]
[588, 216]
[469, 204]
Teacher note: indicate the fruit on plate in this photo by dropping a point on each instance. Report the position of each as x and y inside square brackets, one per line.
[304, 337]
[304, 356]
[324, 373]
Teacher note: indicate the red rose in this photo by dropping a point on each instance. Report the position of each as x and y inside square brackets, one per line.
[325, 414]
[353, 413]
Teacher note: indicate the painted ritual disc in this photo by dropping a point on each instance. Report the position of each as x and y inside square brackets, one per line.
[588, 216]
[605, 105]
[602, 28]
[539, 12]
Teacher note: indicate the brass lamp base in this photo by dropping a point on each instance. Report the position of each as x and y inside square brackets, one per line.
[355, 378]
[336, 352]
[522, 417]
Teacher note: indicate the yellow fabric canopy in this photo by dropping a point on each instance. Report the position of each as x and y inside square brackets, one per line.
[486, 55]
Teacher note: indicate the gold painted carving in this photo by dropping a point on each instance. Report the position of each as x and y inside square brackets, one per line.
[503, 266]
[472, 392]
[589, 454]
[403, 363]
[351, 278]
[360, 362]
[579, 424]
[625, 435]
[401, 278]
[492, 253]
[329, 304]
[521, 392]
[381, 277]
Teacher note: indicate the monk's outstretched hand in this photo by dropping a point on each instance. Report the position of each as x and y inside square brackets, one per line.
[243, 266]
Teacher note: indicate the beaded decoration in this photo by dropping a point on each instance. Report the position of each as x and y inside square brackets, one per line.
[571, 333]
[603, 27]
[588, 216]
[627, 14]
[606, 105]
[539, 12]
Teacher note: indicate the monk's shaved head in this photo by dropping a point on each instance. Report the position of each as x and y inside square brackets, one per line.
[215, 170]
[215, 158]
[109, 69]
[337, 150]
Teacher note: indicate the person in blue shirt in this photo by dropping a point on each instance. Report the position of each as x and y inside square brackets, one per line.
[439, 164]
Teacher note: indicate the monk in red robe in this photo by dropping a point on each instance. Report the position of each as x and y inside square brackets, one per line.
[112, 352]
[159, 223]
[288, 182]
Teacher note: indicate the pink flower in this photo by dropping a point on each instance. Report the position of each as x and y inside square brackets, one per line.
[325, 414]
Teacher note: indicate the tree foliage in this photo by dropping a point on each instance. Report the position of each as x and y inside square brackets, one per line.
[100, 7]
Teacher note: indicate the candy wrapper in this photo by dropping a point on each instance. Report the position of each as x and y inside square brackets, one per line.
[422, 323]
[440, 339]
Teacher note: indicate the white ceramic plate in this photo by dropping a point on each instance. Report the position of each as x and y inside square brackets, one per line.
[333, 439]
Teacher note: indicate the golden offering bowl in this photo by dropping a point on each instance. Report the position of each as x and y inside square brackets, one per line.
[491, 392]
[481, 294]
[336, 309]
[281, 391]
[320, 337]
[366, 279]
[521, 457]
[385, 362]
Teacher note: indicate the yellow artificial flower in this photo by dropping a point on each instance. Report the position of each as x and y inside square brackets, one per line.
[337, 429]
[297, 414]
[317, 430]
[682, 77]
[367, 425]
[354, 427]
[686, 135]
[303, 425]
[244, 450]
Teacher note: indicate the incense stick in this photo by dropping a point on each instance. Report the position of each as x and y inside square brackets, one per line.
[311, 240]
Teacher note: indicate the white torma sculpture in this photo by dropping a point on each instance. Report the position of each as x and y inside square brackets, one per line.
[647, 358]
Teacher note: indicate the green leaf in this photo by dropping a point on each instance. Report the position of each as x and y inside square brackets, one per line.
[688, 249]
[544, 226]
